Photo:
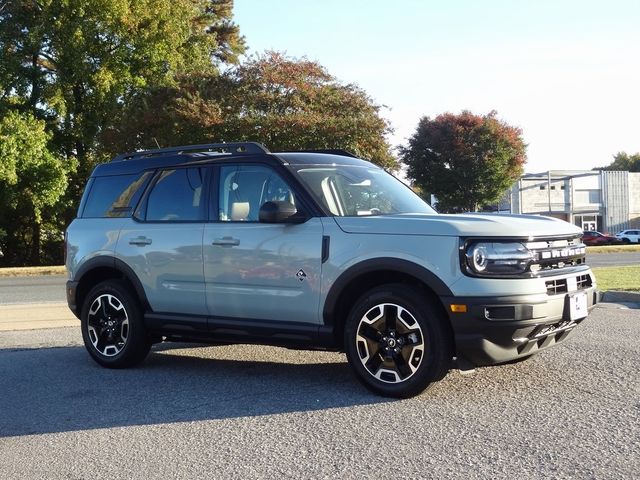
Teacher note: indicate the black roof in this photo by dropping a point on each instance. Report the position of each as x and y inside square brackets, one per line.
[135, 162]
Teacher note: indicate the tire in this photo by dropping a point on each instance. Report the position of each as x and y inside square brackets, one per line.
[112, 326]
[626, 241]
[412, 342]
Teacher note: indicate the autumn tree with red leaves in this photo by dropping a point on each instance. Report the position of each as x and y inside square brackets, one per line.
[465, 160]
[282, 102]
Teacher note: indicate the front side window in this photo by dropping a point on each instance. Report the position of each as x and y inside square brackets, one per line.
[243, 189]
[177, 196]
[348, 191]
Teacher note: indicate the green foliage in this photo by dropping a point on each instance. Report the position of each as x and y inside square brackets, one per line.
[32, 179]
[77, 62]
[625, 162]
[465, 160]
[285, 103]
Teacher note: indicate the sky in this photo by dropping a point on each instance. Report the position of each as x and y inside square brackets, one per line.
[566, 72]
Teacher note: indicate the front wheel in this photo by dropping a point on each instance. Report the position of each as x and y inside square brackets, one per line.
[397, 342]
[112, 326]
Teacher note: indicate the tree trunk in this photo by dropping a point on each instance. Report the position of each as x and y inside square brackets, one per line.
[35, 243]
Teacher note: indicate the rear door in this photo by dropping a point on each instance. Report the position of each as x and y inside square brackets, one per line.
[256, 270]
[163, 244]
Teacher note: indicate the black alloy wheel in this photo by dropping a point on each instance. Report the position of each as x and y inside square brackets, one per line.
[112, 326]
[397, 341]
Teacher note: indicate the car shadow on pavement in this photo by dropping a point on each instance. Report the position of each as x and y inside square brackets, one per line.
[61, 389]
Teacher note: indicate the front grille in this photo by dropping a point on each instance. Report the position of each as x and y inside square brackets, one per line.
[564, 285]
[554, 287]
[584, 281]
[556, 254]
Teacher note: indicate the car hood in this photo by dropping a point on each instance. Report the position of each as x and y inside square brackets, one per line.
[459, 225]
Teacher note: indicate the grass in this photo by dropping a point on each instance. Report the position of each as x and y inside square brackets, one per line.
[614, 249]
[31, 271]
[625, 278]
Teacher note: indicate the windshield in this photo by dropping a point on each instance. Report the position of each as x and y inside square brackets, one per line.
[349, 191]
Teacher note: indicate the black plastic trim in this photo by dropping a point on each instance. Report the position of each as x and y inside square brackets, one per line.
[240, 330]
[379, 264]
[326, 245]
[494, 330]
[116, 264]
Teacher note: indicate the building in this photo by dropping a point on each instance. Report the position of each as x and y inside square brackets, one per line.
[607, 201]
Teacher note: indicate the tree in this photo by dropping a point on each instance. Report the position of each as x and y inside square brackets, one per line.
[465, 160]
[625, 162]
[77, 63]
[285, 103]
[31, 179]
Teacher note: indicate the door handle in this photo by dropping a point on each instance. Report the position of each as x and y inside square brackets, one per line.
[140, 241]
[226, 242]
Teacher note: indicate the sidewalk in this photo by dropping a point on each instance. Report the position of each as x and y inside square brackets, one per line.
[36, 315]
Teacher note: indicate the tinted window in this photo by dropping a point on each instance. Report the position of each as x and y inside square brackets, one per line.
[177, 196]
[114, 196]
[243, 190]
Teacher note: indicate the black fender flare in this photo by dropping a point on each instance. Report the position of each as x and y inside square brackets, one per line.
[378, 264]
[120, 266]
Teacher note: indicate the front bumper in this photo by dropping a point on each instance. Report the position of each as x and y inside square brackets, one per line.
[495, 330]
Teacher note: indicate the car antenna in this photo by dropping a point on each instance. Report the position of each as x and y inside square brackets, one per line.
[154, 139]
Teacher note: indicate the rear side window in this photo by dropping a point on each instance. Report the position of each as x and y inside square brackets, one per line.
[177, 196]
[114, 196]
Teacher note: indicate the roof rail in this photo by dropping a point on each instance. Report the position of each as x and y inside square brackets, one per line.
[228, 148]
[332, 151]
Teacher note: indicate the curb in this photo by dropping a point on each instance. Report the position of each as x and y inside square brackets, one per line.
[613, 296]
[631, 299]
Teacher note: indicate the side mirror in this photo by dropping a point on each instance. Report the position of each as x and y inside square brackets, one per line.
[280, 212]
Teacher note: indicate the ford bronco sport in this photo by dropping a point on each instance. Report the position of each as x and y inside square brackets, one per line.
[229, 243]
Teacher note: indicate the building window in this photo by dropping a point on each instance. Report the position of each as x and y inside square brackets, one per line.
[543, 187]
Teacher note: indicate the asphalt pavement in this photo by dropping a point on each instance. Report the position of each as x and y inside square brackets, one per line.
[613, 259]
[35, 289]
[241, 411]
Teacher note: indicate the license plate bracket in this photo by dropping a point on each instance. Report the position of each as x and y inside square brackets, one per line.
[578, 305]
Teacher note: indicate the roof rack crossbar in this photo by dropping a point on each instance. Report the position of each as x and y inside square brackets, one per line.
[229, 148]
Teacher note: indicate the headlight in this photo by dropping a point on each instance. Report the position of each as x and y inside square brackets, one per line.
[496, 258]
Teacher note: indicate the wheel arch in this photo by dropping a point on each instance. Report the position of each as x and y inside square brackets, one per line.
[363, 276]
[100, 269]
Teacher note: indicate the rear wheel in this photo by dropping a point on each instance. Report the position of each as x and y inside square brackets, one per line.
[112, 326]
[397, 342]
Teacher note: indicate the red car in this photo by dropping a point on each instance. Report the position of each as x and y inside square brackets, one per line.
[597, 238]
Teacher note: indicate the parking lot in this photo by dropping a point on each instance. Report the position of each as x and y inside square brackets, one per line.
[261, 412]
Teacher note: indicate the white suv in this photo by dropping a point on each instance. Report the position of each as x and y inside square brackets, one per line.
[629, 236]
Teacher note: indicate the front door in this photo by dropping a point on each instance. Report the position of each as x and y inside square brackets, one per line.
[256, 270]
